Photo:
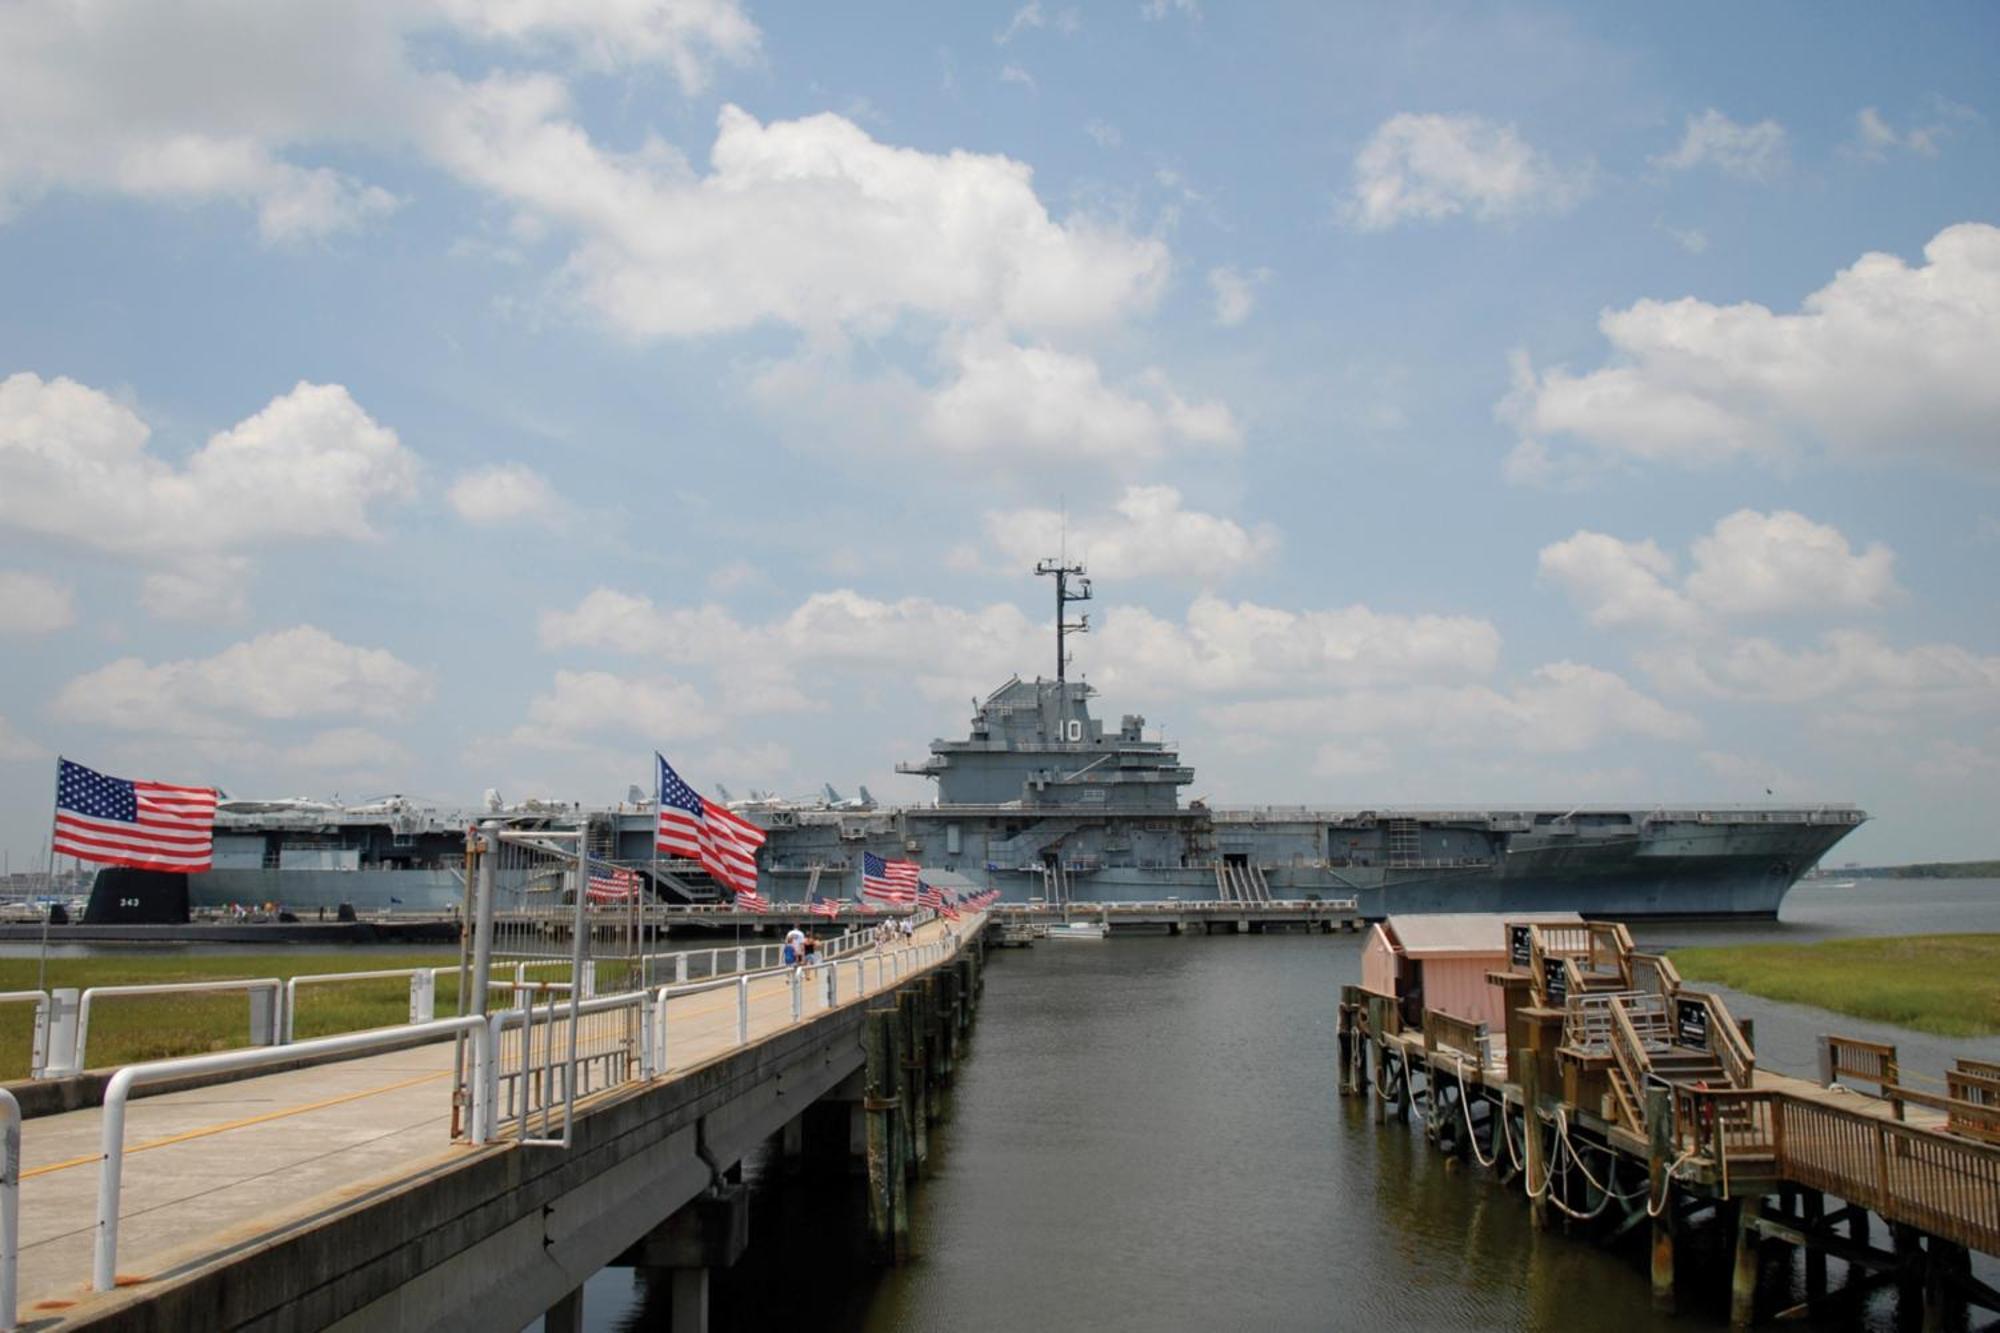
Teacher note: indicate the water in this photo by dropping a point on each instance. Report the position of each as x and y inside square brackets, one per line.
[1145, 1134]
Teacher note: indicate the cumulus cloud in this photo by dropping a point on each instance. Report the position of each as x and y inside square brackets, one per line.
[16, 748]
[808, 223]
[1229, 647]
[1858, 666]
[1619, 583]
[1749, 564]
[1563, 707]
[285, 675]
[1887, 362]
[189, 102]
[1749, 152]
[503, 493]
[350, 750]
[996, 399]
[957, 650]
[1235, 293]
[1425, 167]
[74, 464]
[583, 705]
[1146, 533]
[1010, 398]
[35, 605]
[688, 37]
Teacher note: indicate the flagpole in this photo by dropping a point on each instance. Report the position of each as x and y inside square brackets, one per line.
[655, 840]
[49, 883]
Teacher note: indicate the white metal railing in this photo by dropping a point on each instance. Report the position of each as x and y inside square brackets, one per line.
[616, 1055]
[253, 986]
[10, 1208]
[38, 1049]
[111, 1170]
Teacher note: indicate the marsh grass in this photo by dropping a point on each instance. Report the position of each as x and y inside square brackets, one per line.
[1946, 984]
[152, 1027]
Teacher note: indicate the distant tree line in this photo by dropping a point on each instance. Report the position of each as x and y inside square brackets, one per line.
[1933, 870]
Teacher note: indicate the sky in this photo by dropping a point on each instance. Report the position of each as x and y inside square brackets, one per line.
[1452, 404]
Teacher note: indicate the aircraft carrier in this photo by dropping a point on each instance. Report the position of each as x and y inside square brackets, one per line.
[1043, 800]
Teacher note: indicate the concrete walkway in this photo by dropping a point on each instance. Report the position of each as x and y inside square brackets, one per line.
[214, 1169]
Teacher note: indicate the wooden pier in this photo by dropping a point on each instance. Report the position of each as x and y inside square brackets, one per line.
[1616, 1098]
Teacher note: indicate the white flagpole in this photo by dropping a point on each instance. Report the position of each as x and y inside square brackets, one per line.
[655, 840]
[49, 883]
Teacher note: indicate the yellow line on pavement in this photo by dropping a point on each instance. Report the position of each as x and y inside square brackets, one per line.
[244, 1123]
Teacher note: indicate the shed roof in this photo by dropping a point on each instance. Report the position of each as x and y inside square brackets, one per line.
[1426, 934]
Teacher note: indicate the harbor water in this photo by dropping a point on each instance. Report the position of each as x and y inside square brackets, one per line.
[1145, 1134]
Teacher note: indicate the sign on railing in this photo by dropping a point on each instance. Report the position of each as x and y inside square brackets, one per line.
[1555, 980]
[1691, 1022]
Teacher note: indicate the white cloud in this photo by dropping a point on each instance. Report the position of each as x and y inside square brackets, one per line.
[1009, 398]
[302, 672]
[1235, 293]
[1105, 135]
[1425, 167]
[350, 750]
[1027, 16]
[582, 704]
[1885, 363]
[1155, 10]
[1691, 239]
[16, 748]
[1146, 533]
[188, 102]
[958, 650]
[1012, 73]
[1749, 776]
[1234, 647]
[1759, 564]
[1563, 707]
[503, 493]
[1750, 152]
[1854, 665]
[209, 591]
[74, 464]
[1875, 138]
[1750, 564]
[688, 37]
[807, 223]
[1618, 583]
[34, 605]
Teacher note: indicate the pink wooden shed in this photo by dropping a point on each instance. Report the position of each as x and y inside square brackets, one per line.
[1439, 960]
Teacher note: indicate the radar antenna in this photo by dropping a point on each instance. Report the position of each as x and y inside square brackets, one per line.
[1071, 586]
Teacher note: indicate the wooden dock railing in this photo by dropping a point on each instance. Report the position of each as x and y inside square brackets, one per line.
[1726, 1041]
[1947, 1185]
[1851, 1057]
[1452, 1033]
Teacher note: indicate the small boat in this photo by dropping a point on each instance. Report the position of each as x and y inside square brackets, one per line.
[1078, 930]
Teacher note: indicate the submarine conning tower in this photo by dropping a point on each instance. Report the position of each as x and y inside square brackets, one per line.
[1035, 744]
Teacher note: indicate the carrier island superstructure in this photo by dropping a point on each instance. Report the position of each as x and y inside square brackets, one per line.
[1042, 800]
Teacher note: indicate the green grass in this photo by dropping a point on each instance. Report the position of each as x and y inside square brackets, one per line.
[1946, 984]
[149, 1027]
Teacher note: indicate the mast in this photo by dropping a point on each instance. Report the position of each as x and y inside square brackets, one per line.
[1064, 571]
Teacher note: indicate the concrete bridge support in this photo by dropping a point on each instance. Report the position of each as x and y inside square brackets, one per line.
[707, 1233]
[888, 1186]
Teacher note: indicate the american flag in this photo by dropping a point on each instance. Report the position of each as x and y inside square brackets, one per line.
[891, 882]
[749, 900]
[612, 884]
[928, 895]
[147, 825]
[826, 907]
[695, 827]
